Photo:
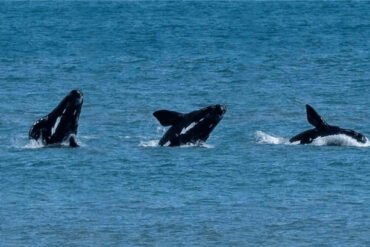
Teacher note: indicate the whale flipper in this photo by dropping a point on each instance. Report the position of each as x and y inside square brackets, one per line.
[72, 142]
[315, 119]
[39, 128]
[168, 118]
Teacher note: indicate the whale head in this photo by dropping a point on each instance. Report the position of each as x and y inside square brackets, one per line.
[205, 122]
[61, 124]
[353, 134]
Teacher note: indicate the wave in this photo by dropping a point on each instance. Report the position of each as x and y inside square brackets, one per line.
[333, 140]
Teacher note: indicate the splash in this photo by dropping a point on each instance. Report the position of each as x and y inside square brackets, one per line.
[339, 140]
[33, 144]
[22, 142]
[150, 143]
[333, 140]
[262, 137]
[155, 143]
[197, 144]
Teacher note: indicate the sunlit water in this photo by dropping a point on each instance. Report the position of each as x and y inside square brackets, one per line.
[247, 186]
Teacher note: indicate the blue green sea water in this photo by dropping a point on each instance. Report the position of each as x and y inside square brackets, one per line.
[247, 187]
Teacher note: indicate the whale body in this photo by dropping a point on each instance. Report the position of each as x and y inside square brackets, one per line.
[61, 124]
[323, 129]
[190, 128]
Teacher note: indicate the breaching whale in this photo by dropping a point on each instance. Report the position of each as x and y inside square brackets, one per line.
[323, 129]
[61, 124]
[190, 128]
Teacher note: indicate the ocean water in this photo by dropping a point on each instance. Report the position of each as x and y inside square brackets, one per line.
[247, 186]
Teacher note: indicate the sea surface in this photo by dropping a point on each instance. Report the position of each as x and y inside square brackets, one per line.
[247, 186]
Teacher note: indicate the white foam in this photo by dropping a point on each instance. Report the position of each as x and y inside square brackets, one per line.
[339, 140]
[55, 125]
[262, 137]
[197, 144]
[155, 143]
[333, 140]
[88, 137]
[150, 143]
[33, 144]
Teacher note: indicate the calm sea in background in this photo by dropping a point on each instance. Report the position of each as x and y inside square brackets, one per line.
[246, 187]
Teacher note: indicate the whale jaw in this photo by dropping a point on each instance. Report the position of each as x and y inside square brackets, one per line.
[61, 124]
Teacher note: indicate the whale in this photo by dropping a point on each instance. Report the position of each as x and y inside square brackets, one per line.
[60, 125]
[189, 128]
[323, 129]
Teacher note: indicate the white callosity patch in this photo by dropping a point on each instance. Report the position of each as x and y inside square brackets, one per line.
[184, 130]
[40, 120]
[55, 125]
[80, 99]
